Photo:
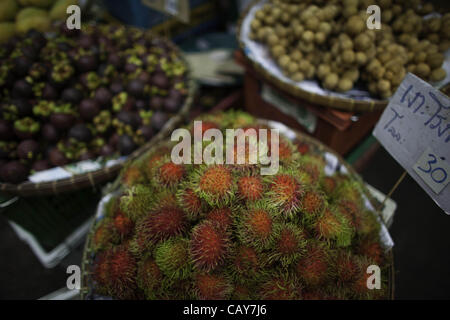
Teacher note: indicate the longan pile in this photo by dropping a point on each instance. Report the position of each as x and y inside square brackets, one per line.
[330, 41]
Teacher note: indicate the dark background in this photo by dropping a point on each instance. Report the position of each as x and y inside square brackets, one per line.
[420, 232]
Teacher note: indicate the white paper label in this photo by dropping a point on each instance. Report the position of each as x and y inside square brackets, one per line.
[415, 130]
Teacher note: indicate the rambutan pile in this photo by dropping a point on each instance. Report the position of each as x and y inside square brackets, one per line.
[224, 231]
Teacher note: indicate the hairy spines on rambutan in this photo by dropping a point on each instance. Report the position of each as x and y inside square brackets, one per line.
[245, 263]
[122, 273]
[132, 174]
[214, 184]
[161, 224]
[350, 190]
[314, 267]
[151, 160]
[212, 286]
[167, 174]
[289, 244]
[280, 286]
[313, 166]
[328, 184]
[190, 202]
[250, 188]
[351, 211]
[331, 225]
[105, 235]
[313, 204]
[222, 217]
[209, 246]
[255, 226]
[123, 225]
[242, 292]
[346, 266]
[100, 272]
[372, 249]
[362, 279]
[285, 193]
[137, 201]
[149, 277]
[369, 225]
[172, 257]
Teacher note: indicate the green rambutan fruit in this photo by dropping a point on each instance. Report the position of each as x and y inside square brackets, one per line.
[313, 204]
[313, 166]
[212, 287]
[122, 273]
[289, 243]
[241, 292]
[350, 190]
[314, 268]
[172, 258]
[214, 184]
[137, 201]
[285, 193]
[161, 224]
[209, 245]
[369, 225]
[250, 188]
[332, 225]
[222, 217]
[280, 287]
[149, 277]
[190, 202]
[255, 226]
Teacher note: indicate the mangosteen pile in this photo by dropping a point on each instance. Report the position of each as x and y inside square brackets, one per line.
[82, 94]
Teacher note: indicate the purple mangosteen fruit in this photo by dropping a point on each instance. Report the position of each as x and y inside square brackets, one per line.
[28, 149]
[13, 172]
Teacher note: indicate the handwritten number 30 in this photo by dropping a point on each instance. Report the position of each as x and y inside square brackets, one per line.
[434, 171]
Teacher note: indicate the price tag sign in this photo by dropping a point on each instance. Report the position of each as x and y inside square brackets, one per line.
[415, 130]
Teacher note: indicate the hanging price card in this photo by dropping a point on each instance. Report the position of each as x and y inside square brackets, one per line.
[415, 130]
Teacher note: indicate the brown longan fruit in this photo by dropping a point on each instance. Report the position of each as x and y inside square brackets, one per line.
[298, 77]
[349, 11]
[323, 70]
[296, 55]
[308, 36]
[438, 74]
[435, 60]
[292, 67]
[272, 39]
[255, 24]
[312, 23]
[344, 85]
[284, 61]
[420, 57]
[360, 58]
[383, 85]
[355, 25]
[348, 56]
[423, 70]
[325, 27]
[278, 50]
[304, 66]
[352, 74]
[259, 14]
[298, 30]
[310, 72]
[331, 81]
[319, 37]
[362, 42]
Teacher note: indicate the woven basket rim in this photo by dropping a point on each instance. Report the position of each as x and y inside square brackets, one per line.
[93, 178]
[86, 260]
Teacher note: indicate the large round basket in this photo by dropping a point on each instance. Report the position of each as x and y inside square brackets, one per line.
[100, 176]
[309, 90]
[334, 161]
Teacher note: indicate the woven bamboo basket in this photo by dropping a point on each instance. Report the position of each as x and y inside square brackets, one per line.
[100, 176]
[327, 100]
[87, 286]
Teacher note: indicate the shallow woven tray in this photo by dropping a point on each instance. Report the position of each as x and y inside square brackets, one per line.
[96, 177]
[331, 101]
[87, 288]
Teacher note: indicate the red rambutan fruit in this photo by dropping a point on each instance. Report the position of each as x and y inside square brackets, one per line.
[313, 203]
[360, 288]
[161, 224]
[250, 188]
[122, 274]
[371, 249]
[328, 185]
[245, 261]
[132, 175]
[105, 235]
[100, 272]
[302, 147]
[241, 293]
[346, 267]
[190, 202]
[209, 246]
[215, 185]
[255, 227]
[285, 193]
[314, 267]
[351, 211]
[170, 174]
[149, 277]
[123, 225]
[222, 217]
[212, 287]
[289, 243]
